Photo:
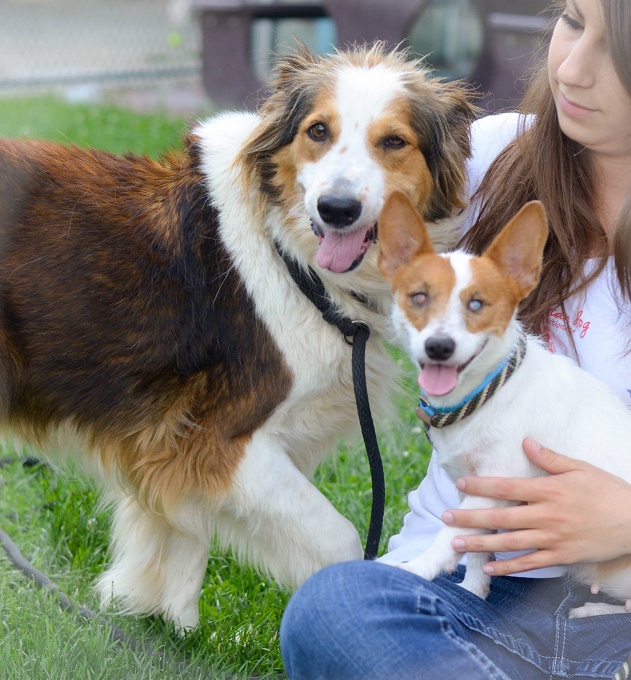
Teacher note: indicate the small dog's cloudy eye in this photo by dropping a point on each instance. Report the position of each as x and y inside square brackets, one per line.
[419, 299]
[475, 305]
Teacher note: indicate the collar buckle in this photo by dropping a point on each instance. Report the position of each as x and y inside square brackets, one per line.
[424, 411]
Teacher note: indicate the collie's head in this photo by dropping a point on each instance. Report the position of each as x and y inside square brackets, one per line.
[339, 133]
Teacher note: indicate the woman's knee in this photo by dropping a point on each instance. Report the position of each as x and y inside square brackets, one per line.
[324, 602]
[333, 625]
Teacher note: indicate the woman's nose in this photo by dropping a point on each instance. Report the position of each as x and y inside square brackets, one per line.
[580, 66]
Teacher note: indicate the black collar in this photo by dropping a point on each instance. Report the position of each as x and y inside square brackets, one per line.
[312, 287]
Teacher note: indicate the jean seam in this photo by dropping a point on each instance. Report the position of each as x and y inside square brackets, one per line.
[446, 628]
[510, 642]
[560, 638]
[475, 654]
[431, 610]
[560, 660]
[506, 639]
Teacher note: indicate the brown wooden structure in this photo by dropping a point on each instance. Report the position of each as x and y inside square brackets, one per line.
[510, 31]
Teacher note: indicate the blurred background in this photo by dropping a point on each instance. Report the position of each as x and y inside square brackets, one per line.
[188, 56]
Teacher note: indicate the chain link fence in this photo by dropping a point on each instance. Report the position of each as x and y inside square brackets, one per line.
[82, 48]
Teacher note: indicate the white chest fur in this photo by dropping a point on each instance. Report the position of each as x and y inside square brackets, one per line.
[320, 406]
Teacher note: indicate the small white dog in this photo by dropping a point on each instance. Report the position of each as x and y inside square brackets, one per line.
[486, 385]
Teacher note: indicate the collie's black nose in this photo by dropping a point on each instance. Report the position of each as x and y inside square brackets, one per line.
[439, 347]
[339, 212]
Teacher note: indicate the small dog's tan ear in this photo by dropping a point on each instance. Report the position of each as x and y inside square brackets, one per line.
[518, 248]
[402, 234]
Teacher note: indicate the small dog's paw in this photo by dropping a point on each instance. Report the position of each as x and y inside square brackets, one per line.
[421, 568]
[479, 587]
[596, 609]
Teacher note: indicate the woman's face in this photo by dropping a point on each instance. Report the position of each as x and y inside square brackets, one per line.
[593, 107]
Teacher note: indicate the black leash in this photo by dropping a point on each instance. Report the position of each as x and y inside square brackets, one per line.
[356, 334]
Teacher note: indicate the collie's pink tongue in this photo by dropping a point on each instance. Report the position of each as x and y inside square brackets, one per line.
[338, 252]
[437, 380]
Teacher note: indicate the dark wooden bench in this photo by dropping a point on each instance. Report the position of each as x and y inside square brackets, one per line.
[227, 69]
[226, 30]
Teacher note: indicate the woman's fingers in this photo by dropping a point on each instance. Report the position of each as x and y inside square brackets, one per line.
[515, 489]
[511, 541]
[539, 559]
[525, 490]
[551, 461]
[513, 517]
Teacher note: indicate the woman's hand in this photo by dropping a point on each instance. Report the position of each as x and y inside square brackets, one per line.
[578, 513]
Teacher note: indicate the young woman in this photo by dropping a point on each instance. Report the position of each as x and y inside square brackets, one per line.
[372, 620]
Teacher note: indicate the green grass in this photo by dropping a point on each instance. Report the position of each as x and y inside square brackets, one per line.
[56, 519]
[103, 126]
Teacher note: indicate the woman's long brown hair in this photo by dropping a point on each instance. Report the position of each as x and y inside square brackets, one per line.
[542, 163]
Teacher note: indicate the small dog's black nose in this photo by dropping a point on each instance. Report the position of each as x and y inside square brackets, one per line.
[439, 347]
[339, 212]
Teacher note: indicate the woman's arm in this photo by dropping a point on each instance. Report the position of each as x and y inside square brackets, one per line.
[578, 513]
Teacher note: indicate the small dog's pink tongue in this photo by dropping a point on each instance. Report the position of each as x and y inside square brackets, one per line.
[337, 252]
[438, 380]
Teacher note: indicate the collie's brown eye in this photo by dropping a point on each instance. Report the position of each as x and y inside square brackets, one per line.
[318, 132]
[394, 142]
[419, 299]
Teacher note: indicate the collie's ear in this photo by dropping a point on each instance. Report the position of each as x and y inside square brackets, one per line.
[518, 248]
[287, 66]
[441, 115]
[402, 234]
[291, 98]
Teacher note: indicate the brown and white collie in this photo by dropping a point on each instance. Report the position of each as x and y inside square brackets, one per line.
[147, 315]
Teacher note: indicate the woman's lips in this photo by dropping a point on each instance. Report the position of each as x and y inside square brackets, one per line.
[572, 109]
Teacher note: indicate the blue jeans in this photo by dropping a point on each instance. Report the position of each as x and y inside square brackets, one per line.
[366, 620]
